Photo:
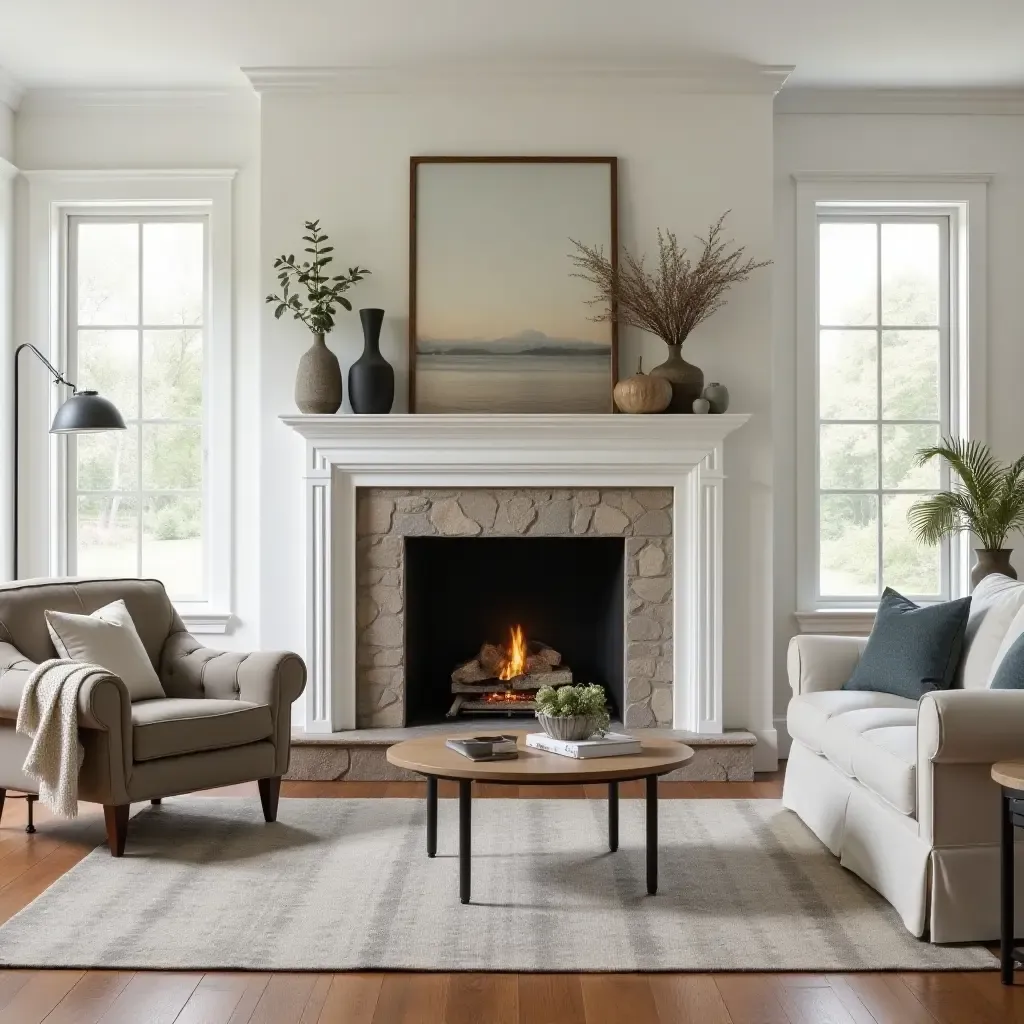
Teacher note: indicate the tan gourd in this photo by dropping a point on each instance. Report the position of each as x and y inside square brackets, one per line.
[642, 393]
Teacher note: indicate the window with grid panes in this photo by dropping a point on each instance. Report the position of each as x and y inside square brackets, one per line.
[883, 352]
[137, 302]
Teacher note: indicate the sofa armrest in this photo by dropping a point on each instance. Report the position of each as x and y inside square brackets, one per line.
[275, 678]
[970, 726]
[817, 662]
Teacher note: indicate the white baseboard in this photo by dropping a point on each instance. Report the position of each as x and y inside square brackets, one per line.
[766, 753]
[784, 740]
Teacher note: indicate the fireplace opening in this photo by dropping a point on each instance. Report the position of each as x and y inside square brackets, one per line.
[465, 595]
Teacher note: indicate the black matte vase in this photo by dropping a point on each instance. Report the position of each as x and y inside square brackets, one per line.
[371, 378]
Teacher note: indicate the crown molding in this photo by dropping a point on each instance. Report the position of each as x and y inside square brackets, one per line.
[11, 91]
[730, 80]
[7, 170]
[61, 100]
[1007, 102]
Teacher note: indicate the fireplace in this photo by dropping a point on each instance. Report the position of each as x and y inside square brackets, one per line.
[374, 482]
[566, 593]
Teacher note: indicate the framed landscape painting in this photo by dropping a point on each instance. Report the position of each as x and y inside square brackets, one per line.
[497, 322]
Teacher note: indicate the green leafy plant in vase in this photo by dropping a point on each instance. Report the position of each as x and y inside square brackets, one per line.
[573, 712]
[989, 503]
[318, 381]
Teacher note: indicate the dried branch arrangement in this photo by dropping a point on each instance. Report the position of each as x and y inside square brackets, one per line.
[672, 300]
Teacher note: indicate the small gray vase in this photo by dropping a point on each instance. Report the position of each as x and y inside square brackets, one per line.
[318, 381]
[718, 396]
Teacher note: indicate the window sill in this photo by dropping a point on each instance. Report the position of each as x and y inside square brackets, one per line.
[837, 621]
[206, 622]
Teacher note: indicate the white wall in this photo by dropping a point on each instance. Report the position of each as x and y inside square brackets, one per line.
[683, 160]
[926, 145]
[126, 134]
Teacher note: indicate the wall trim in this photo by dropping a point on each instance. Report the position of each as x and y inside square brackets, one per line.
[743, 79]
[61, 99]
[837, 622]
[785, 741]
[147, 175]
[766, 752]
[893, 177]
[1006, 102]
[7, 170]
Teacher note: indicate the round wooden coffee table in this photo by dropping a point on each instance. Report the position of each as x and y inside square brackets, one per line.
[431, 758]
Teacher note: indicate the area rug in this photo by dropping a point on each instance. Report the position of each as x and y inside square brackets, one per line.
[346, 884]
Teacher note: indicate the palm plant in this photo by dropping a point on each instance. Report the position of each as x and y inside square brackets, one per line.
[988, 503]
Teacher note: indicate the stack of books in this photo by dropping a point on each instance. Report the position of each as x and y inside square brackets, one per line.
[485, 748]
[612, 744]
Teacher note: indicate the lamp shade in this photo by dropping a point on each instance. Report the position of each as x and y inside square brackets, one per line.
[86, 412]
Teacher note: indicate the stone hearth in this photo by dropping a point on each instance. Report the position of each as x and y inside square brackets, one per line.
[385, 517]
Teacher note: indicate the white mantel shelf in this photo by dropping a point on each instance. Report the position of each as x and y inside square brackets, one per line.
[347, 452]
[504, 435]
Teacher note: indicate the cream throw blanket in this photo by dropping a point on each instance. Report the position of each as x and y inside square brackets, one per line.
[48, 714]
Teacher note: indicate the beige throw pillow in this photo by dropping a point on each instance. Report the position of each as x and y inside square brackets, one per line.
[108, 638]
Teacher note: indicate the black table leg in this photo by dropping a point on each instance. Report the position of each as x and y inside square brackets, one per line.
[431, 815]
[613, 816]
[1006, 873]
[465, 822]
[652, 834]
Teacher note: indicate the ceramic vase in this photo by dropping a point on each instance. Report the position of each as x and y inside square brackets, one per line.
[570, 727]
[686, 379]
[318, 381]
[717, 396]
[990, 562]
[701, 405]
[371, 378]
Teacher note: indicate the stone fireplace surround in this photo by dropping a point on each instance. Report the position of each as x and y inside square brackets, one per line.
[517, 456]
[385, 517]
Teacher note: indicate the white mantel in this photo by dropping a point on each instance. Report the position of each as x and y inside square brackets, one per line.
[346, 452]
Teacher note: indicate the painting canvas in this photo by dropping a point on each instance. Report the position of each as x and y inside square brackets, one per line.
[498, 323]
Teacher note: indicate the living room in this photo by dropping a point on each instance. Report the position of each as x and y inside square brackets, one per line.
[379, 378]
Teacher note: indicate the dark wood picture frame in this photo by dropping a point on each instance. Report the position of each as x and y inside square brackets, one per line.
[417, 161]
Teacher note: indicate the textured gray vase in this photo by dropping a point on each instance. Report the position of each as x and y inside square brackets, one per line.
[318, 382]
[990, 562]
[718, 396]
[686, 379]
[572, 727]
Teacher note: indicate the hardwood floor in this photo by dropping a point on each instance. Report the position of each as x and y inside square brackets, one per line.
[28, 864]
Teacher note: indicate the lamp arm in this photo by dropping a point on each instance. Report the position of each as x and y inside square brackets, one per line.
[58, 377]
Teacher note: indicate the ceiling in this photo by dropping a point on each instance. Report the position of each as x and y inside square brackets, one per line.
[204, 43]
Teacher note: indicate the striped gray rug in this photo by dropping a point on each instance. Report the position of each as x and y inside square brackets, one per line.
[346, 884]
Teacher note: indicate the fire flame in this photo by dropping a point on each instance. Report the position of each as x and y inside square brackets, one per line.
[515, 660]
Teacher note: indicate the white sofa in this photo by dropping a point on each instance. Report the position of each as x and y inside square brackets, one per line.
[900, 790]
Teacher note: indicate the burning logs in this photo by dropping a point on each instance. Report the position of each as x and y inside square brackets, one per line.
[524, 665]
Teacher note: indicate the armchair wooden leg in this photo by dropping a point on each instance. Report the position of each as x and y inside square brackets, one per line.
[270, 790]
[3, 796]
[157, 802]
[116, 818]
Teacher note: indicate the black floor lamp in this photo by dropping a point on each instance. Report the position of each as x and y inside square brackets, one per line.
[85, 412]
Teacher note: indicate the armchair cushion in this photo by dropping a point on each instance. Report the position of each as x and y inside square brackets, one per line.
[171, 726]
[107, 637]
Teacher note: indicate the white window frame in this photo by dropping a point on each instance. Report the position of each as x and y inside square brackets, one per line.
[961, 199]
[54, 197]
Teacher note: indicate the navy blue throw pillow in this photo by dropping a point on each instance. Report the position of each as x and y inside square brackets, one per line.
[912, 649]
[1010, 674]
